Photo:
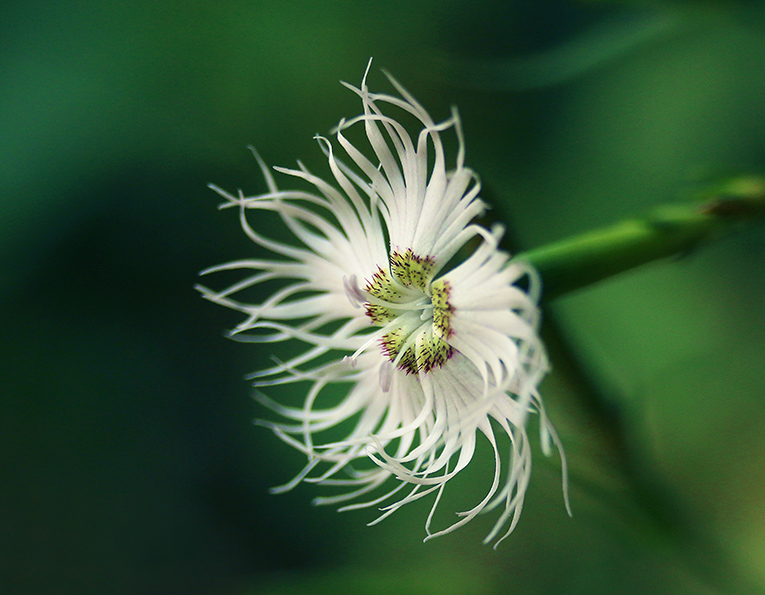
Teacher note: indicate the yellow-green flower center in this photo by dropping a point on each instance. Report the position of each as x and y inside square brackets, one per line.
[414, 310]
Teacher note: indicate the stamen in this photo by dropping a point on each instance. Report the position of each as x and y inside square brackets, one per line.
[353, 291]
[351, 360]
[386, 376]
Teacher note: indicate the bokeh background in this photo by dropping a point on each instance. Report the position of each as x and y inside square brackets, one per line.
[128, 459]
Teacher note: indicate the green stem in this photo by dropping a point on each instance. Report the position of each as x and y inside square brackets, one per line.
[582, 260]
[667, 230]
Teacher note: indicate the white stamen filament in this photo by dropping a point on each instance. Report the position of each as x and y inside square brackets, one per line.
[386, 375]
[353, 291]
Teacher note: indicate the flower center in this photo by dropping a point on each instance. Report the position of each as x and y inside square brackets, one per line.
[414, 311]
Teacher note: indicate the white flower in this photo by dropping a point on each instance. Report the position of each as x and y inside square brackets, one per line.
[416, 353]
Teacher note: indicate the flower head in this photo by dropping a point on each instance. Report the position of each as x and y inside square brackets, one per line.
[426, 348]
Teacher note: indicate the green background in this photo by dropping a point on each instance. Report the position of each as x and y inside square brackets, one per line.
[128, 459]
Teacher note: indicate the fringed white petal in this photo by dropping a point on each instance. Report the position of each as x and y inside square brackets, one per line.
[405, 369]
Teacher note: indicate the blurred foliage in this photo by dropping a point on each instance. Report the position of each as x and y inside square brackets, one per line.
[130, 461]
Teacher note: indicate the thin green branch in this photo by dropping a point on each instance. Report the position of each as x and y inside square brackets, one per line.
[666, 231]
[580, 261]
